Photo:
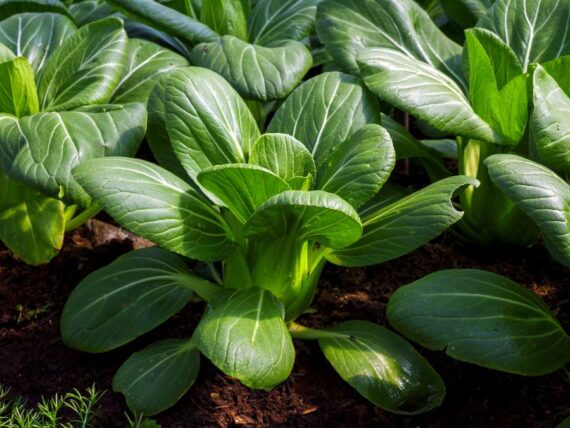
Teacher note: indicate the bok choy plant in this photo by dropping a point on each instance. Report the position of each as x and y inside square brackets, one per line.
[264, 212]
[273, 208]
[68, 95]
[256, 46]
[492, 94]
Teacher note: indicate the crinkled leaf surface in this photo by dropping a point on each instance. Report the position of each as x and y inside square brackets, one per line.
[405, 225]
[540, 194]
[316, 215]
[50, 145]
[383, 367]
[131, 296]
[36, 35]
[482, 318]
[423, 91]
[244, 335]
[324, 111]
[256, 72]
[86, 68]
[157, 205]
[154, 379]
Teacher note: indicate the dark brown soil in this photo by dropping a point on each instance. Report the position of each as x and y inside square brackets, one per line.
[34, 362]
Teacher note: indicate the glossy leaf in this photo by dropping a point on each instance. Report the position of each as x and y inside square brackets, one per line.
[324, 112]
[225, 17]
[134, 294]
[208, 123]
[540, 194]
[537, 31]
[50, 145]
[154, 379]
[256, 72]
[88, 11]
[242, 187]
[12, 7]
[18, 94]
[383, 367]
[156, 205]
[466, 13]
[163, 18]
[285, 156]
[86, 68]
[350, 27]
[405, 225]
[36, 35]
[274, 21]
[482, 318]
[423, 91]
[245, 336]
[357, 168]
[551, 121]
[146, 64]
[317, 216]
[6, 54]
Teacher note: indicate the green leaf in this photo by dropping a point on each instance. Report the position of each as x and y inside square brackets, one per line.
[208, 123]
[482, 318]
[241, 187]
[50, 145]
[256, 72]
[155, 204]
[274, 21]
[565, 423]
[86, 68]
[31, 225]
[550, 124]
[316, 216]
[350, 27]
[405, 225]
[537, 31]
[5, 53]
[540, 194]
[147, 63]
[131, 296]
[389, 194]
[12, 7]
[36, 35]
[154, 379]
[324, 112]
[245, 336]
[285, 156]
[88, 11]
[357, 168]
[558, 68]
[163, 18]
[383, 367]
[466, 13]
[18, 88]
[225, 17]
[506, 108]
[423, 91]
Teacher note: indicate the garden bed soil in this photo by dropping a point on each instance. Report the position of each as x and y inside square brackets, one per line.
[34, 361]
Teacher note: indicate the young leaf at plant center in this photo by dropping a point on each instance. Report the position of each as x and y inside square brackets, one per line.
[154, 379]
[245, 336]
[550, 124]
[157, 205]
[540, 194]
[383, 367]
[146, 63]
[207, 122]
[18, 88]
[287, 157]
[325, 111]
[349, 28]
[134, 294]
[36, 36]
[423, 91]
[256, 72]
[86, 68]
[358, 167]
[405, 225]
[225, 17]
[242, 187]
[482, 318]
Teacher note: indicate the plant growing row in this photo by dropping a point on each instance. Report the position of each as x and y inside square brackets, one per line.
[274, 152]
